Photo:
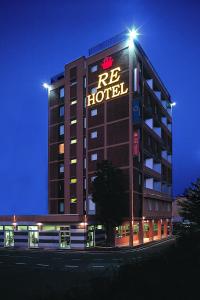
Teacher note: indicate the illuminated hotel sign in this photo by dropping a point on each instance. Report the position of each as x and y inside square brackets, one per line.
[109, 84]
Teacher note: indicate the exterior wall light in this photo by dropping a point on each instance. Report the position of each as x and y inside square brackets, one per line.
[46, 86]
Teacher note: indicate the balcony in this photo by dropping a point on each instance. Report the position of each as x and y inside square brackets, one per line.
[150, 183]
[149, 123]
[166, 189]
[169, 126]
[164, 121]
[150, 83]
[164, 154]
[169, 158]
[157, 130]
[158, 95]
[149, 163]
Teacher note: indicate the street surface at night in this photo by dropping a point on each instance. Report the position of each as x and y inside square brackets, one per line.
[36, 273]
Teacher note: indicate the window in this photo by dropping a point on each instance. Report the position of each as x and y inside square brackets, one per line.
[85, 102]
[85, 143]
[93, 90]
[73, 180]
[93, 69]
[94, 156]
[73, 102]
[84, 122]
[62, 92]
[156, 205]
[73, 161]
[61, 129]
[73, 141]
[61, 111]
[61, 148]
[74, 121]
[73, 200]
[93, 135]
[149, 205]
[61, 207]
[93, 112]
[61, 168]
[22, 227]
[84, 82]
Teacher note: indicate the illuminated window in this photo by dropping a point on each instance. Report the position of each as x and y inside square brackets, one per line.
[73, 102]
[73, 161]
[62, 92]
[84, 122]
[74, 121]
[93, 68]
[84, 82]
[61, 168]
[73, 141]
[93, 90]
[61, 111]
[61, 148]
[94, 156]
[73, 200]
[61, 207]
[85, 101]
[93, 135]
[61, 129]
[93, 112]
[73, 180]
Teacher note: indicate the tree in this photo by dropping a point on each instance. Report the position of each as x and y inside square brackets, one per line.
[110, 196]
[190, 205]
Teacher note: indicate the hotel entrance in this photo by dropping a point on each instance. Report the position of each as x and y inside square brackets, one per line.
[9, 238]
[33, 238]
[90, 236]
[65, 241]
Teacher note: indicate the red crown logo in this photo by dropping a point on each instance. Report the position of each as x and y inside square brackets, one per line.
[107, 63]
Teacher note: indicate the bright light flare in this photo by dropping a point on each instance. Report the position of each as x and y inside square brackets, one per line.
[173, 104]
[132, 36]
[46, 86]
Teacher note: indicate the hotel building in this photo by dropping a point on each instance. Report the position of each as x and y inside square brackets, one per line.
[110, 105]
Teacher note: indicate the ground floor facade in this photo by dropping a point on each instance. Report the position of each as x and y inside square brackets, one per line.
[54, 232]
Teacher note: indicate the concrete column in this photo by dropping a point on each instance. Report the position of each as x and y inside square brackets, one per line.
[150, 230]
[140, 233]
[165, 228]
[159, 229]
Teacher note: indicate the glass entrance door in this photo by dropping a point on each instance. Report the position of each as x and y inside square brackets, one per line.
[65, 239]
[33, 239]
[91, 236]
[9, 238]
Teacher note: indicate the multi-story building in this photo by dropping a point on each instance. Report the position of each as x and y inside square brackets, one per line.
[110, 105]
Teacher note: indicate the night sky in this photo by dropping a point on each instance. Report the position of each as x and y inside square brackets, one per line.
[39, 37]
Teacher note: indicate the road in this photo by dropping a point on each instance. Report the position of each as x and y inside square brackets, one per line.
[37, 273]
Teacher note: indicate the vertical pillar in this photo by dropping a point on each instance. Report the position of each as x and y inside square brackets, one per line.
[150, 230]
[170, 227]
[165, 228]
[159, 229]
[131, 234]
[141, 233]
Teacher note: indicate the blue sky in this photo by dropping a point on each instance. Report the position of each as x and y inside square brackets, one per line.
[39, 37]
